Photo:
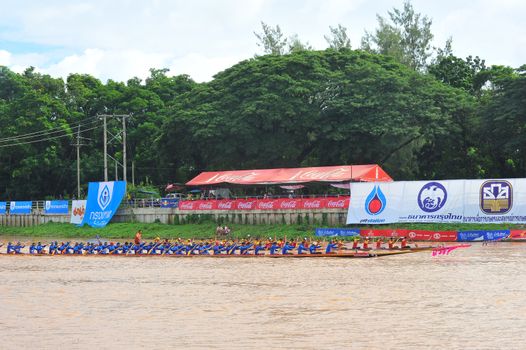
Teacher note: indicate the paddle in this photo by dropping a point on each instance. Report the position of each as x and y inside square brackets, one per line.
[167, 249]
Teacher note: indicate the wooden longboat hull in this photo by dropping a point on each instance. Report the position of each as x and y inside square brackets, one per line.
[348, 255]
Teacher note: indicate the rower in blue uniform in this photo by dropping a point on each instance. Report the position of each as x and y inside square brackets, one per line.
[331, 245]
[313, 247]
[259, 247]
[302, 248]
[32, 248]
[286, 248]
[39, 248]
[244, 249]
[273, 248]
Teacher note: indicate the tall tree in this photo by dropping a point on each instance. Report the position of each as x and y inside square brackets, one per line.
[406, 35]
[271, 39]
[338, 39]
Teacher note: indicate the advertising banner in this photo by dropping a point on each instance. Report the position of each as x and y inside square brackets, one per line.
[3, 208]
[169, 202]
[267, 204]
[415, 235]
[103, 201]
[20, 208]
[469, 236]
[517, 235]
[495, 201]
[450, 201]
[406, 201]
[384, 233]
[78, 208]
[437, 236]
[337, 232]
[56, 207]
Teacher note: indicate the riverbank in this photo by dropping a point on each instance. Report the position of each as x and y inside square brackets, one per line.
[207, 230]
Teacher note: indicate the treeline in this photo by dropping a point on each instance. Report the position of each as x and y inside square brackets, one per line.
[419, 112]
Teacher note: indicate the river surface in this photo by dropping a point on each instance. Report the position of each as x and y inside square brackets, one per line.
[474, 298]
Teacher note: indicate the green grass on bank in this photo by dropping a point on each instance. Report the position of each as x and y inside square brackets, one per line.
[207, 230]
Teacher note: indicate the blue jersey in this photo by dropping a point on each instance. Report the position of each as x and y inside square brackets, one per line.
[286, 248]
[313, 247]
[301, 248]
[273, 248]
[330, 246]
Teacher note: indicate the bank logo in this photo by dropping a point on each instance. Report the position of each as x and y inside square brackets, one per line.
[375, 202]
[104, 195]
[432, 197]
[496, 197]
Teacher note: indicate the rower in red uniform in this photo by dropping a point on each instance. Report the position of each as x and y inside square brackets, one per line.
[138, 237]
[390, 243]
[404, 243]
[365, 244]
[355, 243]
[379, 243]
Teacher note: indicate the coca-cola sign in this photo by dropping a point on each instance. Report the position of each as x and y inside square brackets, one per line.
[290, 204]
[245, 205]
[226, 205]
[267, 204]
[337, 203]
[312, 204]
[206, 206]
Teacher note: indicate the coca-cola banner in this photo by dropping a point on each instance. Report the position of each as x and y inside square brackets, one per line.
[330, 174]
[267, 204]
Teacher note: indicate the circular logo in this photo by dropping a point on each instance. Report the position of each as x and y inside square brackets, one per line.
[436, 235]
[412, 234]
[432, 197]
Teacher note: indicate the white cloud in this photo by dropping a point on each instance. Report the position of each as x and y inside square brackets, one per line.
[5, 58]
[121, 39]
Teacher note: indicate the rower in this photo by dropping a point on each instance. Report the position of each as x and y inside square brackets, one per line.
[286, 247]
[355, 243]
[403, 243]
[302, 248]
[365, 244]
[273, 247]
[243, 250]
[259, 247]
[313, 247]
[10, 248]
[390, 243]
[331, 245]
[32, 248]
[39, 247]
[53, 248]
[379, 243]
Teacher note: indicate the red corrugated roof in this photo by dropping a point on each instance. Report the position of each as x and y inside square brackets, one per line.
[329, 174]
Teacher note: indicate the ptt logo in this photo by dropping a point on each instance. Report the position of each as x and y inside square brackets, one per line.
[496, 197]
[375, 202]
[432, 197]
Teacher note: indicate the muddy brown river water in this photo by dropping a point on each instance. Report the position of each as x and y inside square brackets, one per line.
[474, 298]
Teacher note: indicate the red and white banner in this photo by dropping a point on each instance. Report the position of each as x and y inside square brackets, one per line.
[340, 173]
[415, 235]
[518, 235]
[267, 204]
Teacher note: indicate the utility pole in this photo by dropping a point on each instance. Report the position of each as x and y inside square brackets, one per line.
[78, 144]
[133, 172]
[105, 150]
[124, 148]
[106, 142]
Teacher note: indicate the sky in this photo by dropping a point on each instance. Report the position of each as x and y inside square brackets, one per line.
[122, 39]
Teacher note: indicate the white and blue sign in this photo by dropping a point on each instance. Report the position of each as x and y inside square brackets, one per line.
[337, 232]
[3, 208]
[169, 202]
[103, 201]
[56, 207]
[20, 208]
[469, 236]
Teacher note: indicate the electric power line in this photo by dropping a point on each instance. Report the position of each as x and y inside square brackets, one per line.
[46, 139]
[49, 131]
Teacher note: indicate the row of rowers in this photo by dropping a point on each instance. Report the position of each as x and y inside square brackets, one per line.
[243, 247]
